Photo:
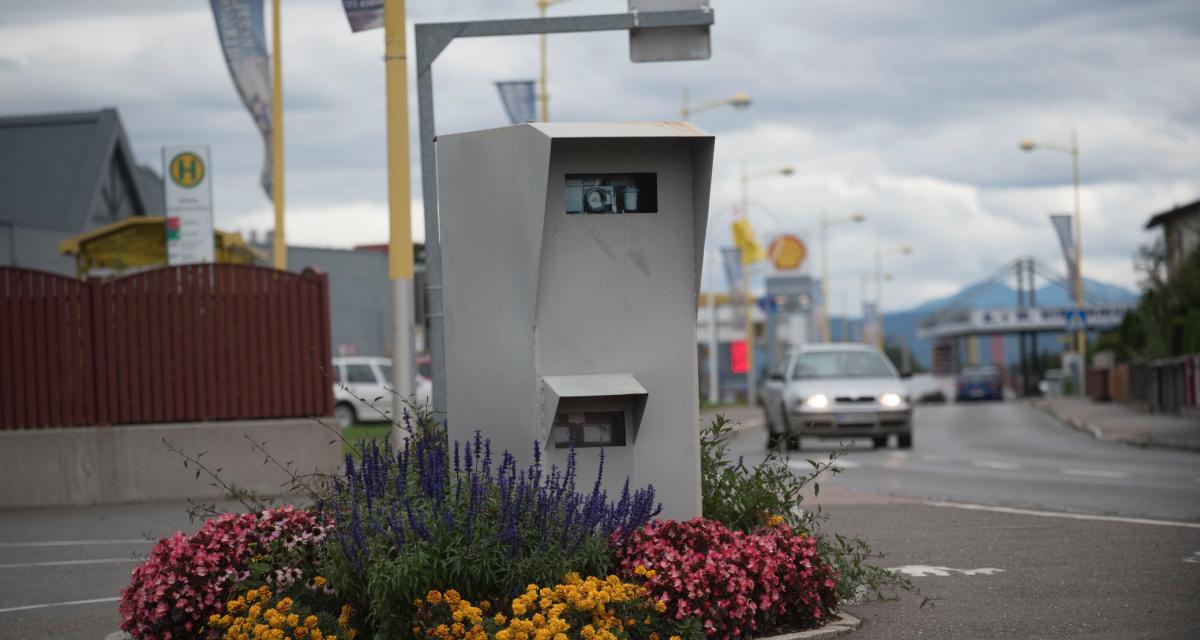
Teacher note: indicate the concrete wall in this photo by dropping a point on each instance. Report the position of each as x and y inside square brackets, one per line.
[106, 465]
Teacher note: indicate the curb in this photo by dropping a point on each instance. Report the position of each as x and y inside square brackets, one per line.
[845, 623]
[1080, 424]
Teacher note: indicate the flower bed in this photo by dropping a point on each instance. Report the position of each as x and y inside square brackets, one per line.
[439, 540]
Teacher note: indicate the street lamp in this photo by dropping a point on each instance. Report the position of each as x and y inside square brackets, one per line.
[748, 300]
[1073, 150]
[544, 93]
[903, 250]
[739, 100]
[825, 224]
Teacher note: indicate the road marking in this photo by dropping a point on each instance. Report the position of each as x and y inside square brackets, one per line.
[67, 563]
[996, 464]
[1094, 473]
[1194, 559]
[58, 604]
[72, 543]
[1061, 514]
[925, 571]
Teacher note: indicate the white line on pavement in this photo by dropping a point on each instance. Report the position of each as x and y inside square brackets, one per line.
[66, 563]
[1061, 514]
[72, 543]
[996, 464]
[58, 604]
[1094, 473]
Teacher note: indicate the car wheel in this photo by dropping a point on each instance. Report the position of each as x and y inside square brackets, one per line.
[904, 440]
[345, 415]
[879, 442]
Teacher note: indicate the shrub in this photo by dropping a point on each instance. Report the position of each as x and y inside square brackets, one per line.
[744, 497]
[186, 579]
[423, 516]
[735, 583]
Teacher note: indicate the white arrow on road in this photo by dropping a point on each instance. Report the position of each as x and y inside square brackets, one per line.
[925, 570]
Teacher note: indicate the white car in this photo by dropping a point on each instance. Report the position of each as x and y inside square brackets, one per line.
[362, 390]
[841, 390]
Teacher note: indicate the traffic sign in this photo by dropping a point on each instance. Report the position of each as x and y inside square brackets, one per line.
[1076, 319]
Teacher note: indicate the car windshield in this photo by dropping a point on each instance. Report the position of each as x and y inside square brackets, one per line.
[841, 364]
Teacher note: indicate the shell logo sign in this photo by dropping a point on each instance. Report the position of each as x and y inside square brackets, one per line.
[787, 252]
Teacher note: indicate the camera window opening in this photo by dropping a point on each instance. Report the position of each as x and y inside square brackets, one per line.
[611, 193]
[589, 429]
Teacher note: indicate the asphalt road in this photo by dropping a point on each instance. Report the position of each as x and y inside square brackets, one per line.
[1008, 453]
[1104, 556]
[1020, 526]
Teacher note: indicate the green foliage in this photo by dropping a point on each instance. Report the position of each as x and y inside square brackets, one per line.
[1166, 321]
[743, 497]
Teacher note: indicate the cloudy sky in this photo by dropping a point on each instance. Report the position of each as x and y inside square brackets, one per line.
[908, 111]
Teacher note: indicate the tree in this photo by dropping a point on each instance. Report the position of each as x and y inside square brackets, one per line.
[1166, 321]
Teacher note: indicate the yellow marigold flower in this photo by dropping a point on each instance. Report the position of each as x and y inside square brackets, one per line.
[311, 621]
[434, 597]
[452, 597]
[300, 632]
[319, 581]
[284, 604]
[293, 620]
[316, 634]
[676, 638]
[775, 520]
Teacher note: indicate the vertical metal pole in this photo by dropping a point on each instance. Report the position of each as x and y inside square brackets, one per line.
[714, 343]
[751, 386]
[685, 112]
[878, 297]
[825, 333]
[433, 246]
[400, 250]
[279, 243]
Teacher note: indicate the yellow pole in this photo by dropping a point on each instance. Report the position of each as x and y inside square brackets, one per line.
[544, 94]
[1081, 336]
[279, 244]
[685, 112]
[400, 249]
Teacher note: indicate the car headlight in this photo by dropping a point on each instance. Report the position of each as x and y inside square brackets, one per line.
[818, 401]
[890, 399]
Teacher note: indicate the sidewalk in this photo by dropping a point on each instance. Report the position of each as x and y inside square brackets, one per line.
[742, 416]
[1121, 423]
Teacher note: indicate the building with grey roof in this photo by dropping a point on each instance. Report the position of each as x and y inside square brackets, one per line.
[62, 175]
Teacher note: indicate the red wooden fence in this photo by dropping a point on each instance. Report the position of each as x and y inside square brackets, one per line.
[178, 344]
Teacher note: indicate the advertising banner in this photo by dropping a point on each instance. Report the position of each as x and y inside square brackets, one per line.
[364, 14]
[244, 43]
[1066, 239]
[518, 97]
[188, 190]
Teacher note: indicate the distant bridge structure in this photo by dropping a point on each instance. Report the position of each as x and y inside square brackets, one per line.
[959, 320]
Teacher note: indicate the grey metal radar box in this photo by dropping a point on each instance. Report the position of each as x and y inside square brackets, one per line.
[571, 258]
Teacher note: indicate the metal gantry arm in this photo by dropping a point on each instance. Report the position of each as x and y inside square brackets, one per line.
[431, 40]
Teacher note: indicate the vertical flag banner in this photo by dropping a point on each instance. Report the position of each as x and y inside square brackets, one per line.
[1066, 239]
[244, 43]
[518, 97]
[743, 237]
[364, 14]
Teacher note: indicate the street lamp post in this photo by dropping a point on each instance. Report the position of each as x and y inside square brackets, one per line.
[1073, 150]
[903, 250]
[739, 100]
[748, 300]
[544, 93]
[825, 224]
